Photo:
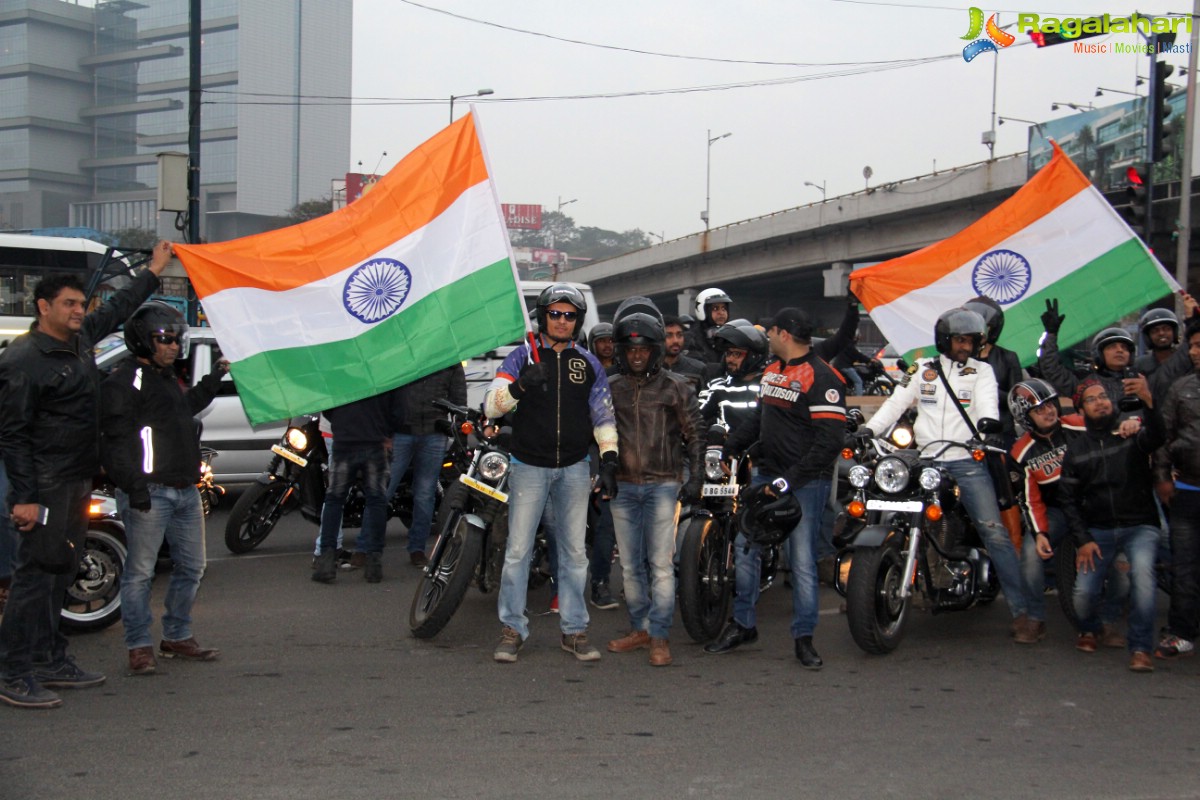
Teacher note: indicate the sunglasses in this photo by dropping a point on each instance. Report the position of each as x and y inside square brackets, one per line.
[569, 316]
[165, 338]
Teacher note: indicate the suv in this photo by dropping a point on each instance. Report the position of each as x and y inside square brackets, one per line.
[244, 450]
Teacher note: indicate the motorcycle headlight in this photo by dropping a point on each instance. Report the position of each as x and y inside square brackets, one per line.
[860, 476]
[712, 465]
[891, 475]
[930, 479]
[297, 439]
[493, 466]
[902, 436]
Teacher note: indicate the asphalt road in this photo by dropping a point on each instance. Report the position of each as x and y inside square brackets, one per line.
[321, 693]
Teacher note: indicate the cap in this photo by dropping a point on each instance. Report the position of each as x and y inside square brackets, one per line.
[793, 320]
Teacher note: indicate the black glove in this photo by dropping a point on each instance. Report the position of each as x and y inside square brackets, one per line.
[608, 475]
[690, 492]
[533, 376]
[139, 499]
[1051, 319]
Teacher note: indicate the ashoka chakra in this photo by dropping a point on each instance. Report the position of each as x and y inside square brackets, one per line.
[1002, 275]
[377, 289]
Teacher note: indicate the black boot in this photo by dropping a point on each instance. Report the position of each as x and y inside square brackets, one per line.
[731, 637]
[325, 567]
[809, 658]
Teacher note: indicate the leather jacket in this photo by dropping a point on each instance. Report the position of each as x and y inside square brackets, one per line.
[658, 421]
[1180, 456]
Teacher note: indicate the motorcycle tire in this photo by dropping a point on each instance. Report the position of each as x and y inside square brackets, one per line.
[705, 588]
[93, 600]
[877, 614]
[879, 389]
[254, 515]
[444, 581]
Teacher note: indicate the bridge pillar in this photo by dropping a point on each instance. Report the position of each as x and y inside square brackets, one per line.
[835, 279]
[686, 301]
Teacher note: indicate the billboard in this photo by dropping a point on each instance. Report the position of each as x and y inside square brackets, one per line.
[358, 184]
[522, 217]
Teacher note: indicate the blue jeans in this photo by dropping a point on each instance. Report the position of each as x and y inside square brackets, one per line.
[1034, 570]
[176, 516]
[603, 541]
[979, 497]
[853, 380]
[644, 518]
[1183, 620]
[567, 489]
[802, 558]
[425, 454]
[29, 632]
[8, 534]
[1140, 545]
[370, 462]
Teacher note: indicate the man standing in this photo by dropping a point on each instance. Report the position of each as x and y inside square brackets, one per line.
[674, 359]
[559, 401]
[801, 423]
[49, 420]
[1160, 333]
[657, 418]
[600, 342]
[712, 311]
[151, 450]
[732, 398]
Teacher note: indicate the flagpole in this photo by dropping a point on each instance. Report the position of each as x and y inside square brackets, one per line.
[1184, 224]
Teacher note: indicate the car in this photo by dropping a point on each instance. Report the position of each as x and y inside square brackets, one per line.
[243, 450]
[888, 356]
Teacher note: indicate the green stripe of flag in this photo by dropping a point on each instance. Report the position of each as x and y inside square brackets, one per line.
[464, 319]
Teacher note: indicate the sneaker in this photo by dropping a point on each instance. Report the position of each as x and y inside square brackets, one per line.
[1140, 662]
[188, 649]
[634, 640]
[1086, 643]
[28, 693]
[554, 605]
[1111, 637]
[141, 661]
[1172, 646]
[66, 676]
[510, 643]
[325, 569]
[373, 568]
[601, 596]
[577, 645]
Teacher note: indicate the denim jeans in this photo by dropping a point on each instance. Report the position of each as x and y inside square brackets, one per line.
[369, 462]
[1140, 545]
[644, 518]
[802, 558]
[979, 497]
[424, 454]
[8, 534]
[29, 631]
[604, 539]
[1116, 588]
[176, 516]
[567, 489]
[853, 380]
[1183, 620]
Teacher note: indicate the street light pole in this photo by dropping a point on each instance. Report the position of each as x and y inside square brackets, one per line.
[453, 97]
[708, 175]
[820, 188]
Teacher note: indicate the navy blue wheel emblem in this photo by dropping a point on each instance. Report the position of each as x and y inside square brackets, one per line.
[1002, 275]
[377, 289]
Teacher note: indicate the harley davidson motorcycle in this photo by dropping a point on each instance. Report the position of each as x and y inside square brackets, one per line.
[906, 532]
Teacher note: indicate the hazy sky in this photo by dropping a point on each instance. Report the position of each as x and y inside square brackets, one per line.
[639, 161]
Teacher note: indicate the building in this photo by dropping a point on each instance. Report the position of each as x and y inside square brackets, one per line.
[90, 93]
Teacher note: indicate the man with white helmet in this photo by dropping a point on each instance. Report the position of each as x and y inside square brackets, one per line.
[712, 311]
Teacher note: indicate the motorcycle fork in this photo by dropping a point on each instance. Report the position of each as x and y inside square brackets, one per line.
[910, 561]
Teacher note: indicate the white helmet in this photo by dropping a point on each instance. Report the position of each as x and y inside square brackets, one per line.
[707, 298]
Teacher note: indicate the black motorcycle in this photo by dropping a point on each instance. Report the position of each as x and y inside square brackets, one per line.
[875, 379]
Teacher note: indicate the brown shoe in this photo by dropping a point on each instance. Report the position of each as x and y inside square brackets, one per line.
[188, 649]
[1018, 625]
[1141, 662]
[141, 661]
[418, 558]
[660, 652]
[1032, 632]
[1111, 637]
[1086, 643]
[358, 560]
[634, 640]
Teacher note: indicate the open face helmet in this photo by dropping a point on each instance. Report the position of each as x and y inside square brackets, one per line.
[741, 333]
[602, 330]
[766, 520]
[155, 319]
[959, 322]
[561, 293]
[992, 313]
[1028, 395]
[1107, 337]
[1157, 316]
[709, 297]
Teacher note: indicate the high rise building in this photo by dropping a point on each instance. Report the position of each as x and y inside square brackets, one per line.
[90, 93]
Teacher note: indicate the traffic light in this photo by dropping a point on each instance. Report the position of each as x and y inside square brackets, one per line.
[1135, 193]
[1160, 110]
[1092, 26]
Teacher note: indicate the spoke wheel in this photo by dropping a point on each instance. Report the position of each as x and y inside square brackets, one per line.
[254, 515]
[445, 580]
[705, 585]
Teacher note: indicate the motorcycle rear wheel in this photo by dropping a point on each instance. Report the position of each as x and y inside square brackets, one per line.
[444, 581]
[254, 515]
[705, 588]
[93, 600]
[876, 612]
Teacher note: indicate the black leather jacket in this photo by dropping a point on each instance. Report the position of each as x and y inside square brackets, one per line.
[658, 422]
[50, 398]
[1180, 456]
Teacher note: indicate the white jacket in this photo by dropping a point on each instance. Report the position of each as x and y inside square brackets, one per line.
[974, 386]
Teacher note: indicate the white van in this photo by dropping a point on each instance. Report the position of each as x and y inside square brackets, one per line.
[481, 369]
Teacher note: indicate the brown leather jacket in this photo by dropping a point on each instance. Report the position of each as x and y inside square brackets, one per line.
[658, 422]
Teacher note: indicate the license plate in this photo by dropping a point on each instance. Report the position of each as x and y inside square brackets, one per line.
[718, 490]
[479, 486]
[289, 455]
[895, 505]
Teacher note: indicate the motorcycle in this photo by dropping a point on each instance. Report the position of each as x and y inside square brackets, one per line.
[906, 532]
[875, 379]
[93, 599]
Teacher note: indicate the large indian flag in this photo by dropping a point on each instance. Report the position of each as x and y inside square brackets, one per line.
[409, 279]
[1057, 237]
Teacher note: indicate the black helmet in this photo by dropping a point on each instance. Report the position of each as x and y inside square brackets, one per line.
[1106, 337]
[767, 520]
[561, 293]
[708, 297]
[601, 330]
[1157, 316]
[959, 322]
[637, 305]
[740, 333]
[1028, 395]
[151, 319]
[639, 328]
[992, 314]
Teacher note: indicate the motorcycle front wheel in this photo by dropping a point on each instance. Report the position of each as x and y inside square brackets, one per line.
[254, 515]
[444, 581]
[876, 611]
[705, 587]
[93, 600]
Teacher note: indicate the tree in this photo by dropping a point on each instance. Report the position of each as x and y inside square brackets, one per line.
[309, 209]
[593, 243]
[134, 239]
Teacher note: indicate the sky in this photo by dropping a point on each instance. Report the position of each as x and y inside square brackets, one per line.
[641, 161]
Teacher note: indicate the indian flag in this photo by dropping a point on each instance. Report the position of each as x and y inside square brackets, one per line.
[1057, 237]
[407, 280]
